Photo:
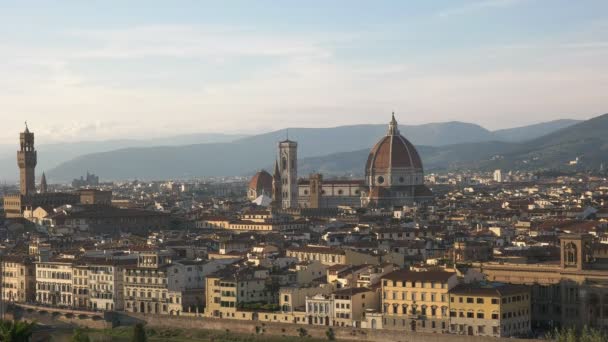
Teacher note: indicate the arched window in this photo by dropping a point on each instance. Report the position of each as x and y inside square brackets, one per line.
[570, 254]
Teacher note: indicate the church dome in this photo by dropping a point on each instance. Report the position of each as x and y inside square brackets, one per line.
[394, 161]
[261, 182]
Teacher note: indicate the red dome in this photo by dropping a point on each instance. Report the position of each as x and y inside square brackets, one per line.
[393, 151]
[261, 181]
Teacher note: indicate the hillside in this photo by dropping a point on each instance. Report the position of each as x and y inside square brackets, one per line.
[448, 144]
[245, 155]
[519, 134]
[586, 140]
[456, 156]
[52, 155]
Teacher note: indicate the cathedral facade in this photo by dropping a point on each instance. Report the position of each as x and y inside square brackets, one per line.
[394, 176]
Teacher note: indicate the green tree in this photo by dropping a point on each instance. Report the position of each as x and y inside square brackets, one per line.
[80, 336]
[330, 334]
[16, 331]
[572, 335]
[139, 333]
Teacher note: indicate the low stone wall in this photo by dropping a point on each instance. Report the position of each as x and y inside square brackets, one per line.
[61, 318]
[282, 329]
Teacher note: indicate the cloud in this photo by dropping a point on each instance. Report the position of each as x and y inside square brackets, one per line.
[477, 6]
[193, 41]
[156, 80]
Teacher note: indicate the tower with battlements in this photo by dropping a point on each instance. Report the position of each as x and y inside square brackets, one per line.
[27, 159]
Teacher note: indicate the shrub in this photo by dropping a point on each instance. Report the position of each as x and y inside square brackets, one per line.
[139, 334]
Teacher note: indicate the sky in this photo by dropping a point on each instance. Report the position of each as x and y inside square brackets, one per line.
[95, 70]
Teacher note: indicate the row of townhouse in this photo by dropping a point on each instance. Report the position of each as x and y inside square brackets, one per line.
[149, 283]
[425, 301]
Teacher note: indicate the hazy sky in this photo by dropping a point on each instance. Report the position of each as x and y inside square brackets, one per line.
[83, 70]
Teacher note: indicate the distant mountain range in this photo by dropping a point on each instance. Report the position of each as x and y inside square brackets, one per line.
[586, 140]
[52, 155]
[335, 151]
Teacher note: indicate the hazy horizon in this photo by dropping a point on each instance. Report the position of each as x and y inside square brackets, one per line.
[113, 70]
[238, 134]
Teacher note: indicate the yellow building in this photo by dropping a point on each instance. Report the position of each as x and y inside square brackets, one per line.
[228, 290]
[80, 286]
[18, 279]
[490, 309]
[417, 301]
[351, 304]
[332, 256]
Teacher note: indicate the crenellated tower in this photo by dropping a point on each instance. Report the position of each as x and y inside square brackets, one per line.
[27, 160]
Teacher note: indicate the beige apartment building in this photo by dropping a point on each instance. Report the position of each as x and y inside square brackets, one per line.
[106, 284]
[18, 279]
[80, 286]
[228, 290]
[145, 285]
[351, 304]
[417, 301]
[332, 256]
[54, 282]
[490, 309]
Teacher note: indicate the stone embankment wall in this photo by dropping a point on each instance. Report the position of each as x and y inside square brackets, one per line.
[62, 318]
[282, 329]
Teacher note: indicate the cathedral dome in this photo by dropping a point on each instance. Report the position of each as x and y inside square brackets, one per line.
[260, 183]
[393, 161]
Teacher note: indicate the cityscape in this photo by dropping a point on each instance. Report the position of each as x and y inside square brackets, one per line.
[389, 225]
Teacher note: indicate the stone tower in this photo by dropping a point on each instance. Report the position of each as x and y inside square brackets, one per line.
[276, 187]
[43, 185]
[315, 190]
[576, 252]
[27, 159]
[288, 167]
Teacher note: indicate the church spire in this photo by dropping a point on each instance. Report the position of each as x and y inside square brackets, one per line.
[43, 185]
[393, 126]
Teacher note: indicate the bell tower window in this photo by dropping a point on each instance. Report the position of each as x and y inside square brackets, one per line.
[570, 254]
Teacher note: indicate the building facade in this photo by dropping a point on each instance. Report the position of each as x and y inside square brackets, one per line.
[54, 282]
[417, 301]
[18, 279]
[490, 309]
[572, 293]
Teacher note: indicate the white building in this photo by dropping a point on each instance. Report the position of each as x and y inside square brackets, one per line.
[498, 176]
[54, 282]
